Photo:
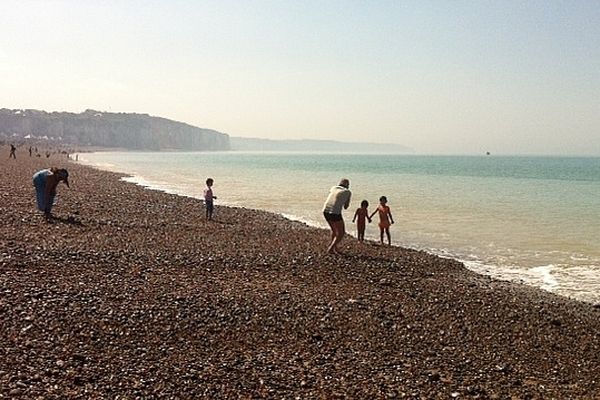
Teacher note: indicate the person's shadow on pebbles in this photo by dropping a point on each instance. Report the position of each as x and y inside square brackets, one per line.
[70, 220]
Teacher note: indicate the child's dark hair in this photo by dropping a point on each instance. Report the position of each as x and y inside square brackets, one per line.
[383, 198]
[364, 204]
[209, 181]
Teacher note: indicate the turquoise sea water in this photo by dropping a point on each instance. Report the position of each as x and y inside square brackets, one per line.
[529, 219]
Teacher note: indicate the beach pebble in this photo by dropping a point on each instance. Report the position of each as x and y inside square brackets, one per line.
[143, 298]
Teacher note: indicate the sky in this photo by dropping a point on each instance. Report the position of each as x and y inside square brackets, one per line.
[442, 77]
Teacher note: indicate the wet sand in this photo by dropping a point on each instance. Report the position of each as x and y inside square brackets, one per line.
[130, 293]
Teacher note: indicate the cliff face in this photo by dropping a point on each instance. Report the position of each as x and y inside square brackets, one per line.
[94, 128]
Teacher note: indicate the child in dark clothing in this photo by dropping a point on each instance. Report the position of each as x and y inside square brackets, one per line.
[208, 199]
[361, 216]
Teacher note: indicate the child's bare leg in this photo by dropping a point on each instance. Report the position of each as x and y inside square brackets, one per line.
[381, 235]
[389, 237]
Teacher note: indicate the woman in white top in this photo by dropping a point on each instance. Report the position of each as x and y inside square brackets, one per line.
[339, 197]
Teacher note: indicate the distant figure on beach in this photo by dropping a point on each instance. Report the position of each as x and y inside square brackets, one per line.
[208, 199]
[30, 149]
[45, 183]
[361, 216]
[385, 219]
[12, 152]
[339, 197]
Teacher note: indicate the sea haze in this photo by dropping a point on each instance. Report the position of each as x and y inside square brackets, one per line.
[530, 219]
[305, 145]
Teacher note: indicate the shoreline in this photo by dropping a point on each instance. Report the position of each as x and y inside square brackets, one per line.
[538, 276]
[136, 295]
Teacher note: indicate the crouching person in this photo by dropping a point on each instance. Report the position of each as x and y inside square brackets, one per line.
[45, 183]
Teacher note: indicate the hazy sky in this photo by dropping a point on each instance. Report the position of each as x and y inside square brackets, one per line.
[442, 77]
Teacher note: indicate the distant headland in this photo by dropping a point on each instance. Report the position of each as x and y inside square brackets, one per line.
[255, 144]
[133, 131]
[103, 129]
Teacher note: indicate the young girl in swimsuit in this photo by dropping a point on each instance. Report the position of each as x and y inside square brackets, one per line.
[385, 219]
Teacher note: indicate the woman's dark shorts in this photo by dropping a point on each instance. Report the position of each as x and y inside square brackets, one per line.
[332, 217]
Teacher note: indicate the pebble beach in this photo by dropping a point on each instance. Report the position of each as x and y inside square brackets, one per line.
[129, 293]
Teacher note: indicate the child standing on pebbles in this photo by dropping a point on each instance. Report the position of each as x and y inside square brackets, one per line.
[385, 219]
[208, 199]
[360, 217]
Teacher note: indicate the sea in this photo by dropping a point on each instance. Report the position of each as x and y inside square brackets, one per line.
[534, 220]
